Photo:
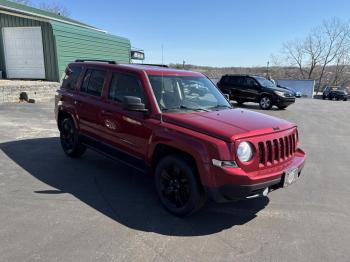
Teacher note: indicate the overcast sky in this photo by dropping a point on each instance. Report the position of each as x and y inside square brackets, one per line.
[215, 33]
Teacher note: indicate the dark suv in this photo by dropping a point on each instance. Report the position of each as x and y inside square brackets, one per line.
[335, 92]
[177, 126]
[246, 88]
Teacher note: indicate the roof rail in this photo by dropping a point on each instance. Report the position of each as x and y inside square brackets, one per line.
[158, 65]
[96, 60]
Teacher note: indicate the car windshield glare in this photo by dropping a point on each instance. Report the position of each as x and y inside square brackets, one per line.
[187, 93]
[264, 82]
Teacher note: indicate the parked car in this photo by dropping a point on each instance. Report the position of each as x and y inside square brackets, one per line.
[246, 88]
[295, 93]
[335, 92]
[177, 126]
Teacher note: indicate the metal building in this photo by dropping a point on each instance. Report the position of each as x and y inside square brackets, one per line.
[36, 44]
[305, 87]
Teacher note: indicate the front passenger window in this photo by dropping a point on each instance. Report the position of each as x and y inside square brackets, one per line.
[125, 85]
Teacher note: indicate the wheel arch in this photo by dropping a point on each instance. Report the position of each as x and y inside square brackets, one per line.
[63, 115]
[162, 150]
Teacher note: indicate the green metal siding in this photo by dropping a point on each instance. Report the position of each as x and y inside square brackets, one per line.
[74, 42]
[51, 69]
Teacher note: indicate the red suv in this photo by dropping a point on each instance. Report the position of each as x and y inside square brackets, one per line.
[178, 126]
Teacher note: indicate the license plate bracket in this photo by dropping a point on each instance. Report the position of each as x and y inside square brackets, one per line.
[290, 177]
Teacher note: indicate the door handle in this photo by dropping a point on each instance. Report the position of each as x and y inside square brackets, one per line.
[77, 102]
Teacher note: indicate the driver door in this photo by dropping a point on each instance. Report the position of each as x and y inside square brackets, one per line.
[129, 131]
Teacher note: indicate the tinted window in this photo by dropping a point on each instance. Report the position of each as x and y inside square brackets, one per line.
[250, 82]
[71, 77]
[125, 85]
[93, 82]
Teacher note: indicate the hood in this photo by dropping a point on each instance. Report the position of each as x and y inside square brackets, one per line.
[285, 90]
[229, 124]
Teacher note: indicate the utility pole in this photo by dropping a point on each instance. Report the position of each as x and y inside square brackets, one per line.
[183, 64]
[267, 70]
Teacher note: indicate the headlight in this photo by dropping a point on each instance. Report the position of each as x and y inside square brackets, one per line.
[244, 152]
[279, 93]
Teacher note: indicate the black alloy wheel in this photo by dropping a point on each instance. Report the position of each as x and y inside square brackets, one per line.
[177, 186]
[70, 139]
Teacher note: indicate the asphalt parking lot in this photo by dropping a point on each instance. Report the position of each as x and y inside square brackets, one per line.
[53, 208]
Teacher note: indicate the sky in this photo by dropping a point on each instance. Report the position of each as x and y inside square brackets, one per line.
[207, 32]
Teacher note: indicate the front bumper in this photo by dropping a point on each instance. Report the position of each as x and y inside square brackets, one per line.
[235, 185]
[284, 101]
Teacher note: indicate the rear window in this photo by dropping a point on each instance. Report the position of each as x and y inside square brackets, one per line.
[70, 80]
[93, 82]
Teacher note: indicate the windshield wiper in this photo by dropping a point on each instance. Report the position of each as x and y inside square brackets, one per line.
[220, 106]
[194, 108]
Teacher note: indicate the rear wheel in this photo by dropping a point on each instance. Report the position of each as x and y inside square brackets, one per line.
[70, 139]
[177, 186]
[345, 99]
[265, 102]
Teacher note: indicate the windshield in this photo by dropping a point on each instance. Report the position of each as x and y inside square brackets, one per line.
[264, 82]
[182, 93]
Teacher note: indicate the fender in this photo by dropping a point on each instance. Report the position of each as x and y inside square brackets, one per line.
[62, 106]
[201, 147]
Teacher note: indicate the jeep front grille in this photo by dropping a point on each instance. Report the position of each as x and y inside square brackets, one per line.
[277, 150]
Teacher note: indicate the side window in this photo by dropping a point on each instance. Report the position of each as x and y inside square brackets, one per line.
[249, 82]
[93, 82]
[70, 79]
[125, 85]
[225, 79]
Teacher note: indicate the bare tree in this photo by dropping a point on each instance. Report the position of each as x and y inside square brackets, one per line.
[325, 48]
[56, 8]
[336, 40]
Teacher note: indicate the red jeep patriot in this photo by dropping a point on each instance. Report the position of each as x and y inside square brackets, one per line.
[178, 126]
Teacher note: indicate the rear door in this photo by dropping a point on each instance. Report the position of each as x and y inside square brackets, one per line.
[89, 102]
[251, 89]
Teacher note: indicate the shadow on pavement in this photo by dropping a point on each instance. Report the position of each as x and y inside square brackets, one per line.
[120, 192]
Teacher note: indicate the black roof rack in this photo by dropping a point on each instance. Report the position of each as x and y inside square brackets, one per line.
[158, 65]
[96, 60]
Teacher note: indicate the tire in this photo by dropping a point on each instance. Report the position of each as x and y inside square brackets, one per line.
[324, 97]
[177, 186]
[265, 102]
[282, 107]
[345, 99]
[70, 139]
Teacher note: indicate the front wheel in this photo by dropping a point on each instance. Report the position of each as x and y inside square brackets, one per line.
[70, 139]
[177, 186]
[265, 102]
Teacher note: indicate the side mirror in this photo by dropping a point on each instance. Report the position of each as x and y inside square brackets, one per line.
[227, 96]
[133, 103]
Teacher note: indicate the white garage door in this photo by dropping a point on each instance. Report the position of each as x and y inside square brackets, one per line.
[23, 48]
